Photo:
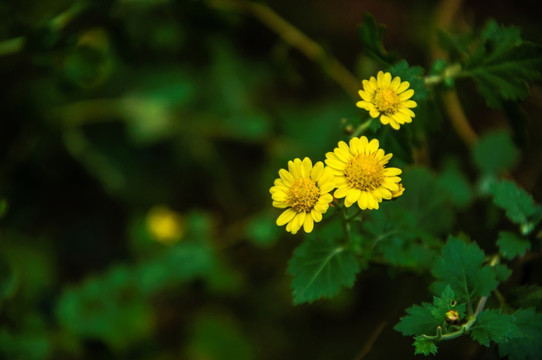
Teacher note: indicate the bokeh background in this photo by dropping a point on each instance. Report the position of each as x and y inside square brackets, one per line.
[138, 141]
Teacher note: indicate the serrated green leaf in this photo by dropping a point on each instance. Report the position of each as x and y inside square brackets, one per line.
[460, 265]
[493, 325]
[320, 268]
[446, 302]
[503, 65]
[512, 245]
[371, 35]
[495, 152]
[419, 320]
[424, 347]
[528, 345]
[502, 272]
[414, 75]
[517, 203]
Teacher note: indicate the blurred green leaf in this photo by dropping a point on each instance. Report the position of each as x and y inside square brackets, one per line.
[460, 266]
[108, 308]
[25, 346]
[512, 245]
[495, 152]
[217, 337]
[503, 65]
[371, 35]
[518, 204]
[414, 75]
[262, 230]
[320, 268]
[495, 326]
[527, 344]
[455, 183]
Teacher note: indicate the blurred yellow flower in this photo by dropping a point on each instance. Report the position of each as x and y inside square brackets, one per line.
[388, 99]
[360, 173]
[165, 225]
[303, 190]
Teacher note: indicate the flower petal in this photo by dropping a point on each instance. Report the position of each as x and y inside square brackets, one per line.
[285, 217]
[308, 224]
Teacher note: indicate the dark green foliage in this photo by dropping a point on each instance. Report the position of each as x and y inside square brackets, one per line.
[424, 347]
[493, 325]
[504, 64]
[518, 204]
[461, 266]
[495, 152]
[414, 75]
[320, 268]
[420, 320]
[371, 35]
[527, 345]
[512, 245]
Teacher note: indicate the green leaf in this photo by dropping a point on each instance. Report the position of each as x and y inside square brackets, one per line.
[495, 152]
[218, 337]
[460, 265]
[371, 35]
[424, 346]
[512, 245]
[319, 268]
[454, 182]
[517, 203]
[495, 326]
[446, 302]
[503, 65]
[414, 75]
[528, 344]
[419, 320]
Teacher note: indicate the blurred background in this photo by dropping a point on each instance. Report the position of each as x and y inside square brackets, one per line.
[138, 142]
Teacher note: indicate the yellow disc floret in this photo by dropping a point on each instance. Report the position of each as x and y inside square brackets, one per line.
[364, 172]
[303, 195]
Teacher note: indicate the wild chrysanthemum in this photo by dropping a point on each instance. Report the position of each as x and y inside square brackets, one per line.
[388, 99]
[361, 174]
[303, 190]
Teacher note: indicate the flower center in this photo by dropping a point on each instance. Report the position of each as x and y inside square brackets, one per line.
[303, 195]
[386, 101]
[363, 172]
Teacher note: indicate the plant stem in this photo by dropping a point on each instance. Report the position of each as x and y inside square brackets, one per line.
[362, 128]
[345, 224]
[295, 38]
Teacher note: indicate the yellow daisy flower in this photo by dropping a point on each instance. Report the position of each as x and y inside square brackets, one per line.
[388, 99]
[303, 190]
[361, 175]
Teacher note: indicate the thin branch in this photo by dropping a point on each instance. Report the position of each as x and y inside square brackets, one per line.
[295, 38]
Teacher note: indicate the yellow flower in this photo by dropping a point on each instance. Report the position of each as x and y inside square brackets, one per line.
[303, 190]
[360, 173]
[388, 99]
[165, 225]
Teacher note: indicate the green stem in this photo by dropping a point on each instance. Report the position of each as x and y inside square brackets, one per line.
[345, 224]
[362, 128]
[450, 72]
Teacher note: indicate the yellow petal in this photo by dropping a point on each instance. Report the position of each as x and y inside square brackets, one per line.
[352, 197]
[316, 215]
[406, 95]
[308, 224]
[404, 85]
[392, 171]
[342, 191]
[362, 201]
[317, 171]
[373, 146]
[285, 217]
[286, 177]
